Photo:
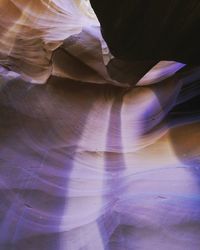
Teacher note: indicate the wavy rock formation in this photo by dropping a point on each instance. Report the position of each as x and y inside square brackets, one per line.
[105, 154]
[31, 30]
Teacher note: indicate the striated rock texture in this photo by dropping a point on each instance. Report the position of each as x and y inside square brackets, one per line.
[31, 30]
[105, 155]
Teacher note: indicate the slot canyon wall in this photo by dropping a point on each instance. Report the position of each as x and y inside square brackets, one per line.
[99, 141]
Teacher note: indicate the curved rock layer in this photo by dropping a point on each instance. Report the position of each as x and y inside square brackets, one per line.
[31, 30]
[95, 159]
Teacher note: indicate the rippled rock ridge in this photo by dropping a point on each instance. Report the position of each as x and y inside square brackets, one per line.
[99, 125]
